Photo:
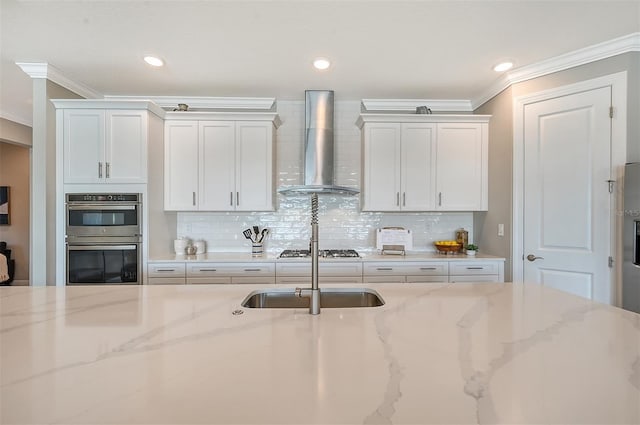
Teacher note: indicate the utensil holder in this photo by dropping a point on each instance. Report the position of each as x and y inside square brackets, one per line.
[256, 249]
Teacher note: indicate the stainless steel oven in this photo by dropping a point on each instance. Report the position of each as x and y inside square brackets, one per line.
[103, 239]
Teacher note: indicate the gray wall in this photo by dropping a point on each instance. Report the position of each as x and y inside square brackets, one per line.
[501, 142]
[485, 224]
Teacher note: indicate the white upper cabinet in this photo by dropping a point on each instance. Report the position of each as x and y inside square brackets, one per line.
[461, 168]
[398, 167]
[103, 142]
[219, 165]
[424, 162]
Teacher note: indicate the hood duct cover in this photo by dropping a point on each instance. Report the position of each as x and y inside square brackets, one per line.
[318, 147]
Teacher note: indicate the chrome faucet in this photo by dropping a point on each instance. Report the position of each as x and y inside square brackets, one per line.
[314, 293]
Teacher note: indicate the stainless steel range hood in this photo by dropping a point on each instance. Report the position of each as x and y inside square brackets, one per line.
[318, 147]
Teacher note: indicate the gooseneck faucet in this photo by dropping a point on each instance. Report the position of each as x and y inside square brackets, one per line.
[314, 293]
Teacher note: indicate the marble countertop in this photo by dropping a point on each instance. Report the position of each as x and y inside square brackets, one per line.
[433, 354]
[241, 257]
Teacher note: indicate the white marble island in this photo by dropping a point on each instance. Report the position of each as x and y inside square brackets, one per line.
[434, 353]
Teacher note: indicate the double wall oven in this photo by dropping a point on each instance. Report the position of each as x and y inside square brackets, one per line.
[103, 238]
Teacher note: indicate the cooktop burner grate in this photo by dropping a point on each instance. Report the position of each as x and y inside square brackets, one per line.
[326, 253]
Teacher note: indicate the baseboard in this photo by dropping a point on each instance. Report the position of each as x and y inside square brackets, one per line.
[20, 282]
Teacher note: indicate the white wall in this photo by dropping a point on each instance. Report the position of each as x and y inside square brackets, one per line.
[342, 225]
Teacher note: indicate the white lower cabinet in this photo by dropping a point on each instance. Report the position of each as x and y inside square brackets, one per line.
[335, 272]
[166, 273]
[476, 271]
[405, 272]
[248, 273]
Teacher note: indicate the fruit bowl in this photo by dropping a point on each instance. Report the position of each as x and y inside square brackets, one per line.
[447, 246]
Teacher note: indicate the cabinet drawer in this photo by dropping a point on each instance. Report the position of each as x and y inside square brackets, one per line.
[166, 270]
[304, 280]
[475, 278]
[473, 268]
[262, 280]
[230, 269]
[324, 269]
[432, 268]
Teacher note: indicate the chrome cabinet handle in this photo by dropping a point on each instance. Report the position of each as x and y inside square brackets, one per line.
[440, 199]
[398, 198]
[384, 268]
[107, 166]
[230, 199]
[237, 199]
[532, 257]
[252, 270]
[165, 270]
[404, 199]
[207, 270]
[475, 268]
[193, 194]
[99, 170]
[427, 268]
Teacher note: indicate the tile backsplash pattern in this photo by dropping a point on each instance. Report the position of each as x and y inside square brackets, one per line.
[341, 223]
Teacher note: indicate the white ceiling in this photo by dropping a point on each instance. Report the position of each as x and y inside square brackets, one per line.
[420, 49]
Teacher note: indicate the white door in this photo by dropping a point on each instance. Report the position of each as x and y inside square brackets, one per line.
[418, 169]
[126, 147]
[217, 166]
[254, 166]
[567, 206]
[83, 146]
[181, 165]
[460, 175]
[381, 170]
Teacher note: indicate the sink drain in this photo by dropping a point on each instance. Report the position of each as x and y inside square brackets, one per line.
[237, 312]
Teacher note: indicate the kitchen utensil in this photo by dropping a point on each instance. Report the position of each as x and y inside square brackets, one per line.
[247, 234]
[256, 231]
[263, 234]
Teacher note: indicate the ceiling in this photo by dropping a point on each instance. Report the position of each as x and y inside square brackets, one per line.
[420, 49]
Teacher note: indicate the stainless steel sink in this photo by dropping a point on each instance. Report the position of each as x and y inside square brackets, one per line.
[329, 298]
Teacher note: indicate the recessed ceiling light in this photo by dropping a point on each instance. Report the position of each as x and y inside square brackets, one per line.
[501, 67]
[321, 63]
[153, 61]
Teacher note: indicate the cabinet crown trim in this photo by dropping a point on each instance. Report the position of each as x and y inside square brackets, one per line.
[224, 116]
[421, 118]
[108, 104]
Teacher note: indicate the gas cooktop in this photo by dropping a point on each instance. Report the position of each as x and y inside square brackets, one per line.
[326, 253]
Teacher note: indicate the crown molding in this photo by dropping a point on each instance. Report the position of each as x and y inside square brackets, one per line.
[421, 118]
[204, 103]
[607, 49]
[50, 72]
[410, 105]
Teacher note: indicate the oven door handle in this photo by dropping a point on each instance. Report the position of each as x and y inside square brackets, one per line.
[102, 247]
[80, 207]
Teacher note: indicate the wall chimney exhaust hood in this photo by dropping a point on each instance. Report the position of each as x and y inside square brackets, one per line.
[318, 147]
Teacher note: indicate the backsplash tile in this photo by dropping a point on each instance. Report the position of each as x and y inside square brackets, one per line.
[341, 223]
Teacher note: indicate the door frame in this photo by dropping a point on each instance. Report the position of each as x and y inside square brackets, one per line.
[618, 84]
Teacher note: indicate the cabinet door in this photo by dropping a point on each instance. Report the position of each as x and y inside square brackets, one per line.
[254, 166]
[181, 165]
[83, 145]
[381, 167]
[418, 171]
[217, 165]
[461, 167]
[126, 147]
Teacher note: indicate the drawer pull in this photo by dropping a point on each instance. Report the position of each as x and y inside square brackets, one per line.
[165, 270]
[385, 269]
[252, 270]
[475, 268]
[427, 268]
[207, 270]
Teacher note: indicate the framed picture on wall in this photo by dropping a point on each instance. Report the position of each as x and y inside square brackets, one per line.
[4, 204]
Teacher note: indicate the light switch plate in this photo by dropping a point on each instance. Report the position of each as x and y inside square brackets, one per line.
[500, 229]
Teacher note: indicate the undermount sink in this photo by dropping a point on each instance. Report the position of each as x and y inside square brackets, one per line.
[329, 298]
